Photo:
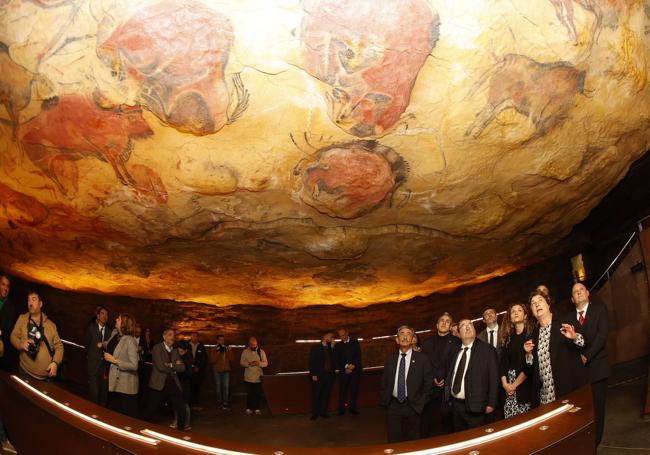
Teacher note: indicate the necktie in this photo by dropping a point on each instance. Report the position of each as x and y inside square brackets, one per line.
[102, 330]
[460, 372]
[401, 380]
[581, 318]
[492, 337]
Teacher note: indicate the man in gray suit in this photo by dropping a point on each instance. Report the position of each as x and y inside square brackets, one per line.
[164, 382]
[96, 333]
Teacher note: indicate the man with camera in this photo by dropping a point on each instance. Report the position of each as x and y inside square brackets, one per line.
[36, 337]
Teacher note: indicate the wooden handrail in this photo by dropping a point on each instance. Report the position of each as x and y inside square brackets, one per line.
[57, 419]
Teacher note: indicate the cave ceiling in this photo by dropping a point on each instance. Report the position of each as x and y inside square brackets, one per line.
[292, 153]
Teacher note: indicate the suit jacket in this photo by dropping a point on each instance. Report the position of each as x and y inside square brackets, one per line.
[200, 359]
[438, 349]
[159, 370]
[317, 360]
[481, 377]
[568, 371]
[483, 336]
[123, 376]
[595, 331]
[94, 355]
[348, 353]
[418, 380]
[8, 317]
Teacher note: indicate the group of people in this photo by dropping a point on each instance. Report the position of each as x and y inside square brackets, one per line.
[325, 360]
[536, 355]
[454, 380]
[117, 358]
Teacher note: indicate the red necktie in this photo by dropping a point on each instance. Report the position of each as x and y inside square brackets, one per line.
[581, 318]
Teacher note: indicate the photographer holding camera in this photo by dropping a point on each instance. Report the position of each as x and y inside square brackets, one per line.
[36, 337]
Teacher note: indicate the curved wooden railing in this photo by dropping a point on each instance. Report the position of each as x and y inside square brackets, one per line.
[45, 418]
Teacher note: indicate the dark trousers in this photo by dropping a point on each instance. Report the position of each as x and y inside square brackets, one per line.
[320, 395]
[124, 403]
[348, 382]
[436, 418]
[402, 421]
[195, 387]
[253, 395]
[171, 393]
[98, 387]
[462, 418]
[599, 396]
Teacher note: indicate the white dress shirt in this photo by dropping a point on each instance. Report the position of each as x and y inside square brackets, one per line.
[407, 359]
[584, 312]
[461, 394]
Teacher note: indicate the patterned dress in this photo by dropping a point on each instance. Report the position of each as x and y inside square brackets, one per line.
[547, 392]
[511, 365]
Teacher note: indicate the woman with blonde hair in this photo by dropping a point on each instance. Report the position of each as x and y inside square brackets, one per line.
[123, 374]
[516, 328]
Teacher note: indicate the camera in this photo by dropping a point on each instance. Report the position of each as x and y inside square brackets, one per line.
[32, 348]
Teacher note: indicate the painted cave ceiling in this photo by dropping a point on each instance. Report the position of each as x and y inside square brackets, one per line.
[292, 152]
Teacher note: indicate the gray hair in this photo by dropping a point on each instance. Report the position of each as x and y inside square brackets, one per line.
[408, 327]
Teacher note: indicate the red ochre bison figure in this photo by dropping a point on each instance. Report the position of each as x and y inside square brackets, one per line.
[543, 92]
[177, 53]
[73, 127]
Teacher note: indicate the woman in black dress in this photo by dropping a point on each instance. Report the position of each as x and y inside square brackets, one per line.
[517, 386]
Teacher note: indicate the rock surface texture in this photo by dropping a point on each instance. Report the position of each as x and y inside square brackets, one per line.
[293, 153]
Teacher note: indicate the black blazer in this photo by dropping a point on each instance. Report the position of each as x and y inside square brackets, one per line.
[439, 349]
[568, 371]
[348, 353]
[317, 359]
[94, 355]
[200, 359]
[483, 336]
[8, 318]
[418, 380]
[595, 331]
[481, 377]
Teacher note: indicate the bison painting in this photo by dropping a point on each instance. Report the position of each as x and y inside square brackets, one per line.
[369, 53]
[349, 180]
[74, 127]
[543, 92]
[177, 53]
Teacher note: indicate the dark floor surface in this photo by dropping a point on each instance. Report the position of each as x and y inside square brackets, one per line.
[626, 431]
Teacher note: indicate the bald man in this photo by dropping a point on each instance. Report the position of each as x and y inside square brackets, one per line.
[591, 320]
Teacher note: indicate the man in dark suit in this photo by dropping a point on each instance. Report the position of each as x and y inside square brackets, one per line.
[8, 317]
[348, 361]
[199, 364]
[405, 387]
[321, 371]
[591, 320]
[97, 332]
[472, 385]
[438, 348]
